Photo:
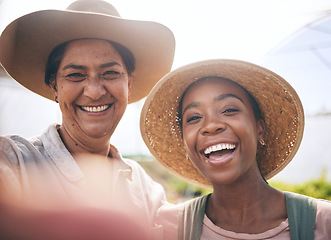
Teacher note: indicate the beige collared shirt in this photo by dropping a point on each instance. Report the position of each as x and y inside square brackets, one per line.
[41, 170]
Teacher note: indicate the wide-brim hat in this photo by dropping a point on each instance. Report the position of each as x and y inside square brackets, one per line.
[279, 103]
[26, 43]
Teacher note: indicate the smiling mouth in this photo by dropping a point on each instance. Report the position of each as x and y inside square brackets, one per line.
[219, 151]
[95, 109]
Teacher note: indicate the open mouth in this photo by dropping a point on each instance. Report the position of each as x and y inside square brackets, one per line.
[95, 109]
[219, 151]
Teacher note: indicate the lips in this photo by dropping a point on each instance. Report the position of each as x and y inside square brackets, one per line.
[95, 109]
[221, 152]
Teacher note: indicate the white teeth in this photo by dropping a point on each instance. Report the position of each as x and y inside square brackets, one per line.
[219, 147]
[96, 109]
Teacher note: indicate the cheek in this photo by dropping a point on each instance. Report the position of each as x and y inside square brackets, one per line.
[246, 126]
[189, 138]
[65, 93]
[120, 90]
[248, 132]
[63, 88]
[67, 96]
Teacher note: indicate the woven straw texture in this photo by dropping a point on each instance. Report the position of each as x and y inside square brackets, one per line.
[280, 105]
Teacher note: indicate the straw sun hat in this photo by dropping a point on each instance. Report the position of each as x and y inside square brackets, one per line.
[26, 43]
[279, 103]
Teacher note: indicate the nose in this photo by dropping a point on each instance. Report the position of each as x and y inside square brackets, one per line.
[212, 125]
[94, 88]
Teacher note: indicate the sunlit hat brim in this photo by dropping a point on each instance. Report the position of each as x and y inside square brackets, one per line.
[26, 43]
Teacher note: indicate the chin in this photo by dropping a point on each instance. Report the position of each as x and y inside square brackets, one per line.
[98, 133]
[222, 179]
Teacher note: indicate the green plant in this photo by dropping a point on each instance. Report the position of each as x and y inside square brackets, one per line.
[317, 188]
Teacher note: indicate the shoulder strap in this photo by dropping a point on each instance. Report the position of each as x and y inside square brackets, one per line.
[301, 211]
[191, 218]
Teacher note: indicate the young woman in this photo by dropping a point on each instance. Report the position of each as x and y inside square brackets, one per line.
[231, 125]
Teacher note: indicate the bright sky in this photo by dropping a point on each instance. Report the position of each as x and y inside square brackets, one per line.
[241, 29]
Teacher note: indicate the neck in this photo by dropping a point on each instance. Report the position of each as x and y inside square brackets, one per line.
[76, 146]
[240, 195]
[250, 206]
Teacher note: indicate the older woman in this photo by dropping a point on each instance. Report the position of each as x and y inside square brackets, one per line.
[93, 63]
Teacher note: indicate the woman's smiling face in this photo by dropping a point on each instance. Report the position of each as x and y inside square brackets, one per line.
[220, 131]
[92, 88]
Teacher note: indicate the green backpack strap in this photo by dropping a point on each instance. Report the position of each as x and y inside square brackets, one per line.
[301, 211]
[191, 218]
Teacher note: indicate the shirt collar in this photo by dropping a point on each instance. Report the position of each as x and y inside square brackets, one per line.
[121, 165]
[61, 157]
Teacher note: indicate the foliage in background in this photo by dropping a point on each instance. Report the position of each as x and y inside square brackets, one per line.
[318, 188]
[178, 190]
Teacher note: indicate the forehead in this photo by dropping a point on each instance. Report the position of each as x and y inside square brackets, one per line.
[90, 48]
[213, 85]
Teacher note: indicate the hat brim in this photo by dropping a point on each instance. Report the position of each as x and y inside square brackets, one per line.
[27, 42]
[280, 105]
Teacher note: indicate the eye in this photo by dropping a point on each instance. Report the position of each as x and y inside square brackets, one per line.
[193, 119]
[76, 77]
[110, 75]
[230, 111]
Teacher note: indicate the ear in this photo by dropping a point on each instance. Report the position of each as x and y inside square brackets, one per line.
[260, 129]
[130, 83]
[53, 86]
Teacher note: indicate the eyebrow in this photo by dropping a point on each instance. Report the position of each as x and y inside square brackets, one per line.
[109, 64]
[218, 98]
[191, 105]
[81, 67]
[224, 96]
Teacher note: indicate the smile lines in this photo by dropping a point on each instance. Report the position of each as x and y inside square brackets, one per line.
[95, 109]
[219, 147]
